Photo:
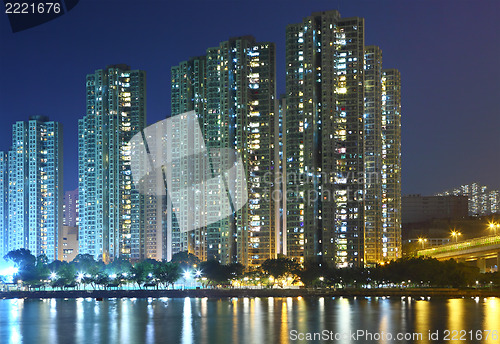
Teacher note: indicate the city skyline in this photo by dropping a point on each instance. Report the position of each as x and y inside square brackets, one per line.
[221, 171]
[338, 138]
[449, 166]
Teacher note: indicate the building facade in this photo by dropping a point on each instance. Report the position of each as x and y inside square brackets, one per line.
[111, 211]
[232, 91]
[417, 208]
[4, 211]
[35, 181]
[335, 134]
[70, 208]
[373, 155]
[68, 243]
[391, 166]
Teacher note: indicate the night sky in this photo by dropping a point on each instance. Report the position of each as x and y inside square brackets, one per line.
[448, 53]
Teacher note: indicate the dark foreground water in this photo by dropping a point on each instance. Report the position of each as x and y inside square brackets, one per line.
[251, 320]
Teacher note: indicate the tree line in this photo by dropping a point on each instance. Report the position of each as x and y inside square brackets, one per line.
[84, 270]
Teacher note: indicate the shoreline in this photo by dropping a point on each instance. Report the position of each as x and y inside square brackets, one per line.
[252, 293]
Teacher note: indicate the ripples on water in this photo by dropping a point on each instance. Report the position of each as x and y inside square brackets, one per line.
[243, 320]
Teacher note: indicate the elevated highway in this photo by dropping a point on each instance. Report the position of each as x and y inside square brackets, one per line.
[484, 250]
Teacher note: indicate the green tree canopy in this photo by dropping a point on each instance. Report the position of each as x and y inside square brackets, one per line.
[280, 267]
[185, 260]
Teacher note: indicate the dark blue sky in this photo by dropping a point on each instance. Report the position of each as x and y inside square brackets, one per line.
[448, 53]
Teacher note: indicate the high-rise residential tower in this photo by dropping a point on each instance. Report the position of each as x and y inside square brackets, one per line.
[111, 211]
[188, 93]
[325, 104]
[4, 211]
[334, 145]
[391, 165]
[232, 91]
[373, 154]
[35, 189]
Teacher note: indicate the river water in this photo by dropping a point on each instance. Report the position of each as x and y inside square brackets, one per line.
[251, 320]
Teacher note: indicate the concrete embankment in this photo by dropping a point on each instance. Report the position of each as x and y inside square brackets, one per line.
[230, 293]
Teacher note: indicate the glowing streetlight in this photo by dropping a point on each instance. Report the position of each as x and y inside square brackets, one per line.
[455, 234]
[422, 241]
[53, 275]
[494, 226]
[198, 273]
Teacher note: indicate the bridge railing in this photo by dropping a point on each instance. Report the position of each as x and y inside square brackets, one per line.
[459, 246]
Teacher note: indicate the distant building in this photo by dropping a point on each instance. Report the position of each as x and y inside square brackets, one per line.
[35, 177]
[412, 245]
[70, 208]
[430, 242]
[417, 208]
[481, 200]
[68, 243]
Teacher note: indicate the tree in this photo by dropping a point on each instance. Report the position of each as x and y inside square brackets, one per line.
[185, 260]
[280, 267]
[31, 270]
[66, 273]
[119, 266]
[235, 270]
[215, 272]
[85, 263]
[21, 257]
[142, 272]
[102, 279]
[311, 273]
[167, 273]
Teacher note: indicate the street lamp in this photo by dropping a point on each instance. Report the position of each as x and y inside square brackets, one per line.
[455, 234]
[422, 241]
[494, 226]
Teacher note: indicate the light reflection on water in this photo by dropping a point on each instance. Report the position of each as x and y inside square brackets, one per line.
[243, 320]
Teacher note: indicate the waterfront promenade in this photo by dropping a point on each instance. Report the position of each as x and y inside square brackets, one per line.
[237, 293]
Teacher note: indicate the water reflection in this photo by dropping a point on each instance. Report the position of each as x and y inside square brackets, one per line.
[187, 329]
[422, 319]
[344, 311]
[284, 323]
[492, 319]
[246, 320]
